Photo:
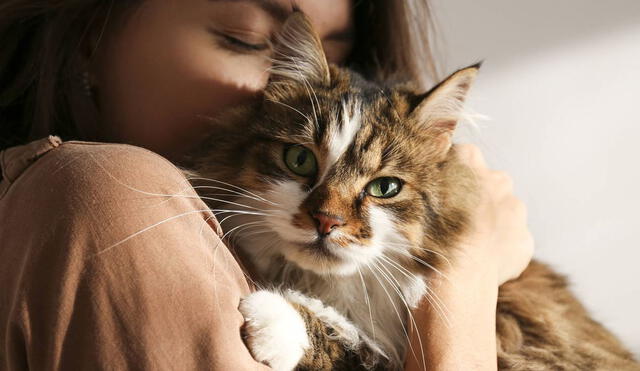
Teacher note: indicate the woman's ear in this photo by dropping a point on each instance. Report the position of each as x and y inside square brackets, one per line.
[439, 110]
[298, 58]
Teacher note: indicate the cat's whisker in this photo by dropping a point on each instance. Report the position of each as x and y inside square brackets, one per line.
[252, 209]
[231, 192]
[235, 213]
[396, 287]
[402, 269]
[410, 256]
[307, 86]
[395, 308]
[315, 96]
[292, 108]
[235, 230]
[242, 232]
[239, 226]
[235, 203]
[213, 266]
[440, 306]
[245, 226]
[304, 79]
[233, 186]
[171, 196]
[262, 223]
[423, 248]
[437, 303]
[209, 199]
[254, 233]
[429, 266]
[310, 90]
[368, 302]
[134, 189]
[245, 212]
[239, 262]
[149, 228]
[258, 222]
[222, 195]
[214, 271]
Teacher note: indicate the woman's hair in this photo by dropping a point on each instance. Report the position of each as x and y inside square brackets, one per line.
[42, 39]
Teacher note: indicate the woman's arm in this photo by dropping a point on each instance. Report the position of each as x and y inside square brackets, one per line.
[467, 339]
[166, 297]
[498, 248]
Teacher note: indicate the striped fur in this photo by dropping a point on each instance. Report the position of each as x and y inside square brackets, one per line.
[372, 268]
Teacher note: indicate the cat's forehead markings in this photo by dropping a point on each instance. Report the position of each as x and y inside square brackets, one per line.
[341, 133]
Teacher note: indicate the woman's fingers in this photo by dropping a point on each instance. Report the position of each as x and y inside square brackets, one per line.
[499, 237]
[471, 155]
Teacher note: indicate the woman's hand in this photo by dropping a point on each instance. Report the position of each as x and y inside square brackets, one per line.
[499, 243]
[456, 324]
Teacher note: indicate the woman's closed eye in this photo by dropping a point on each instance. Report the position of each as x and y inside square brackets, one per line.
[241, 43]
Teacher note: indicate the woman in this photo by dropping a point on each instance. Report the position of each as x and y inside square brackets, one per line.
[84, 285]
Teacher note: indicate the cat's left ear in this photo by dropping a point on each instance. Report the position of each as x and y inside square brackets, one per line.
[298, 58]
[440, 109]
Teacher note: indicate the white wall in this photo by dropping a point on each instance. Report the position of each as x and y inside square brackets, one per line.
[561, 84]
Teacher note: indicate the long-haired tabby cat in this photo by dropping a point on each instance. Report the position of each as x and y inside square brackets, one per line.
[343, 197]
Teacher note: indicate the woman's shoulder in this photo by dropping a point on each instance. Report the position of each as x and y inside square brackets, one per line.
[90, 161]
[78, 167]
[74, 176]
[108, 189]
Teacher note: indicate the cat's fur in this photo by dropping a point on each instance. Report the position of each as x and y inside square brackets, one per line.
[352, 288]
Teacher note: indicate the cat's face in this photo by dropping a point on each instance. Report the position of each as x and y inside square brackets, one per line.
[344, 172]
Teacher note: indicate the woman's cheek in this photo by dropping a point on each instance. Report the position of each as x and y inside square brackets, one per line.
[161, 96]
[211, 83]
[246, 74]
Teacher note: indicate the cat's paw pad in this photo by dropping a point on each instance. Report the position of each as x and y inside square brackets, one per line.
[274, 331]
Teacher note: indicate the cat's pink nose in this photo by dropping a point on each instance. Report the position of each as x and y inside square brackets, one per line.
[326, 223]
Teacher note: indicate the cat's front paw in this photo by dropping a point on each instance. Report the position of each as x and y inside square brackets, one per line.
[274, 330]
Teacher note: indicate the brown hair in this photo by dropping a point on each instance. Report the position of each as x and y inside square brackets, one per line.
[41, 40]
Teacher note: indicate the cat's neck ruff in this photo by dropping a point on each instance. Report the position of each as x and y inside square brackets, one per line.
[377, 299]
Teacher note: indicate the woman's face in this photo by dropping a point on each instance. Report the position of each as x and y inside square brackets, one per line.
[174, 63]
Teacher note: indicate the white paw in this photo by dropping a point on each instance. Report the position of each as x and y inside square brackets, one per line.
[275, 332]
[346, 331]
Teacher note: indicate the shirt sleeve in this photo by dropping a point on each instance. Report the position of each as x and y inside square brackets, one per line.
[112, 262]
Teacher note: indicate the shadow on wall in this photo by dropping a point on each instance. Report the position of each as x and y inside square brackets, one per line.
[506, 30]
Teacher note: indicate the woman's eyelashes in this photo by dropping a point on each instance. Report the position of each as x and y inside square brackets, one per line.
[240, 44]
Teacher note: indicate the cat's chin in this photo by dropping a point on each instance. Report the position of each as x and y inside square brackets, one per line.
[319, 260]
[324, 269]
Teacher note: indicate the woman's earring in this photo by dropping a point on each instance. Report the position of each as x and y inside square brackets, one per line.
[86, 84]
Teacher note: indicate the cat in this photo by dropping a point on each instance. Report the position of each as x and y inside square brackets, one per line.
[342, 197]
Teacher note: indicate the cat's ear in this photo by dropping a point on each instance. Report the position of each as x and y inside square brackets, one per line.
[298, 58]
[439, 110]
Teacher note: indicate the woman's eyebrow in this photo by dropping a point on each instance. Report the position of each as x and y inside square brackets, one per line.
[273, 7]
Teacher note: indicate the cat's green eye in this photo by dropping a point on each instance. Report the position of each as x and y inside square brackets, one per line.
[300, 160]
[385, 187]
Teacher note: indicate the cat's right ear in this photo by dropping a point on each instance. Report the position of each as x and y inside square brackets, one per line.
[439, 110]
[298, 59]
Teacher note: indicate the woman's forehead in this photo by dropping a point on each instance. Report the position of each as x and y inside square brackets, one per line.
[327, 16]
[332, 20]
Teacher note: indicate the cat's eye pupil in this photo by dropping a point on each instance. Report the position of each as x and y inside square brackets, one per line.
[300, 160]
[302, 157]
[385, 187]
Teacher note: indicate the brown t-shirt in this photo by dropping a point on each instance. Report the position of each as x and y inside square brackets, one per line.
[109, 260]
